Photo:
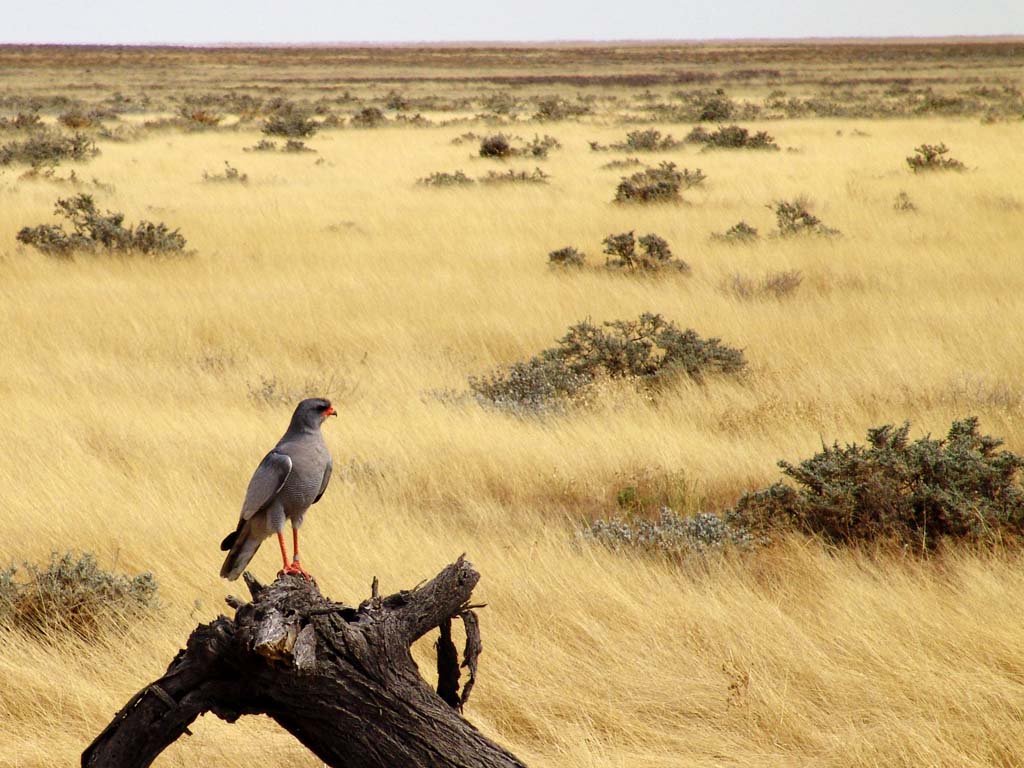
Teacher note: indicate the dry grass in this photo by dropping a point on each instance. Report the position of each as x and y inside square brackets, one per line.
[130, 433]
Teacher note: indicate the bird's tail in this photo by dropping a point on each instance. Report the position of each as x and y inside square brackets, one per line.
[243, 544]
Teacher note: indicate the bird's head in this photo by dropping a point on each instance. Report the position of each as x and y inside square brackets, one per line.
[312, 412]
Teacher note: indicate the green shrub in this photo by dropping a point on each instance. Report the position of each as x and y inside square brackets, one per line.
[72, 593]
[557, 108]
[567, 257]
[649, 140]
[515, 177]
[92, 231]
[716, 109]
[774, 285]
[48, 148]
[657, 185]
[917, 494]
[737, 233]
[648, 351]
[653, 256]
[230, 174]
[731, 137]
[932, 157]
[290, 121]
[793, 218]
[368, 117]
[445, 179]
[495, 146]
[904, 203]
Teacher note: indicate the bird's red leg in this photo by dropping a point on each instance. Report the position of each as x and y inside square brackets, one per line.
[284, 552]
[295, 566]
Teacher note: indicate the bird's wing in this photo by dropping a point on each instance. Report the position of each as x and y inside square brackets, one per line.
[327, 478]
[267, 481]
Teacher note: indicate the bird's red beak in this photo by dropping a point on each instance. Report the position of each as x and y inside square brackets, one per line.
[330, 411]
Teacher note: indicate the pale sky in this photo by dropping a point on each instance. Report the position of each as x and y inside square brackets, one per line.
[321, 21]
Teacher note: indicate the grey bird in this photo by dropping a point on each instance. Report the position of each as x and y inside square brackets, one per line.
[289, 480]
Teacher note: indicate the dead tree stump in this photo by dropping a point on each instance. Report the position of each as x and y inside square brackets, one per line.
[340, 679]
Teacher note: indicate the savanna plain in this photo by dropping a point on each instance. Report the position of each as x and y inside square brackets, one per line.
[139, 391]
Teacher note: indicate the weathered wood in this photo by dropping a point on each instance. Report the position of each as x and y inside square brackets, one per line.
[340, 679]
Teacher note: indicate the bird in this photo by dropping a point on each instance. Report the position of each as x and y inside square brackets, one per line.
[289, 480]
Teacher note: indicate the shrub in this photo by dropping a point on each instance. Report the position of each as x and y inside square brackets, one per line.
[793, 218]
[627, 162]
[904, 203]
[932, 157]
[649, 351]
[731, 137]
[649, 140]
[654, 255]
[48, 148]
[290, 121]
[661, 184]
[671, 534]
[500, 103]
[230, 173]
[93, 230]
[72, 593]
[539, 146]
[495, 146]
[515, 177]
[917, 494]
[76, 119]
[368, 117]
[716, 109]
[198, 118]
[23, 121]
[737, 233]
[774, 285]
[263, 145]
[295, 145]
[566, 257]
[557, 108]
[444, 179]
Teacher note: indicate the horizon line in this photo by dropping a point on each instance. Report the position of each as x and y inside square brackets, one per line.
[528, 42]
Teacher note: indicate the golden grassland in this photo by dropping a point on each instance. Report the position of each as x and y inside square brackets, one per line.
[131, 429]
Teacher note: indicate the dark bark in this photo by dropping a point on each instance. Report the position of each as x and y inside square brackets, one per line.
[340, 679]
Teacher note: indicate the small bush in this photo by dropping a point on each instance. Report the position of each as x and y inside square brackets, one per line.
[291, 122]
[904, 203]
[368, 117]
[671, 534]
[76, 119]
[515, 177]
[557, 108]
[649, 351]
[48, 148]
[716, 109]
[627, 162]
[495, 146]
[23, 121]
[567, 257]
[73, 594]
[92, 231]
[917, 494]
[296, 145]
[654, 254]
[195, 117]
[263, 145]
[649, 140]
[444, 179]
[932, 157]
[657, 185]
[793, 218]
[774, 285]
[731, 137]
[737, 233]
[230, 174]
